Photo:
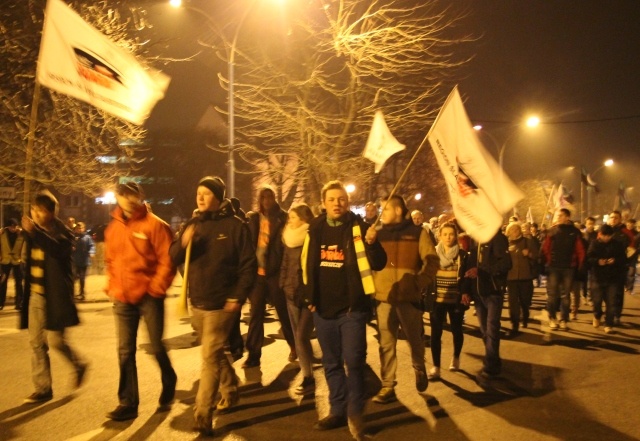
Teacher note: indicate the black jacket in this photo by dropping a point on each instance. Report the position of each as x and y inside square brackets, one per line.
[493, 262]
[376, 255]
[614, 273]
[223, 259]
[277, 220]
[58, 279]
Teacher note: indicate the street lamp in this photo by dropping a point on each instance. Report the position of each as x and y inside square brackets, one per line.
[109, 198]
[231, 53]
[592, 184]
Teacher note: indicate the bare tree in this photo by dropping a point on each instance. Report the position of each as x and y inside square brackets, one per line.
[72, 138]
[305, 96]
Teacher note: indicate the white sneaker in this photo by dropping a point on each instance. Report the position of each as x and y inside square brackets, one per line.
[455, 364]
[434, 373]
[608, 329]
[596, 322]
[563, 325]
[553, 324]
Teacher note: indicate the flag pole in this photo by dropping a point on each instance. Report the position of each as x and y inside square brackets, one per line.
[28, 167]
[546, 211]
[183, 308]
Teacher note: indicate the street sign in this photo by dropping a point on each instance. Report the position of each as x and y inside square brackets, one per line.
[7, 193]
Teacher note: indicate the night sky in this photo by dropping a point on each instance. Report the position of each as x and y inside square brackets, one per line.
[572, 63]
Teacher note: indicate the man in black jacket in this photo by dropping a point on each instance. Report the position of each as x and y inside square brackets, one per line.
[338, 257]
[266, 226]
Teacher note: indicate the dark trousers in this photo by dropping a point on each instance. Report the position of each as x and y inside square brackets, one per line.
[343, 341]
[631, 277]
[606, 292]
[489, 310]
[80, 274]
[520, 294]
[127, 319]
[438, 317]
[266, 288]
[17, 277]
[559, 281]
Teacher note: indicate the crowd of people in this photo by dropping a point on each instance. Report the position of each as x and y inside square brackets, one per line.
[334, 272]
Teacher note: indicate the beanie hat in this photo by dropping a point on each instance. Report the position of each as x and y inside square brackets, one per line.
[130, 187]
[215, 184]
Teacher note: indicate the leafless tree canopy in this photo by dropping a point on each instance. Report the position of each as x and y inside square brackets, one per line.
[306, 88]
[70, 136]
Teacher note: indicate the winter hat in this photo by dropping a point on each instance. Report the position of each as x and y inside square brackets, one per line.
[215, 184]
[130, 187]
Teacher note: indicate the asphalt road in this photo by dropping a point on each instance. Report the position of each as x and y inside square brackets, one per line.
[570, 385]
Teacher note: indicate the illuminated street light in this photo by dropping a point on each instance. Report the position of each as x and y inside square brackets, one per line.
[531, 122]
[418, 196]
[350, 188]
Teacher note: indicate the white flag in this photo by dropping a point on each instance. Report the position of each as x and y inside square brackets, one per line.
[78, 60]
[480, 192]
[529, 216]
[381, 144]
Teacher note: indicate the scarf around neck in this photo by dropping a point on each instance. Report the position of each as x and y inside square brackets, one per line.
[447, 258]
[294, 237]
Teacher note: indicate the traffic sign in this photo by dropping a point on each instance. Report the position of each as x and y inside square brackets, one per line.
[7, 193]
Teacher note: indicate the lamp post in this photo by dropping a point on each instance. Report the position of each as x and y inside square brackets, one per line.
[531, 122]
[231, 53]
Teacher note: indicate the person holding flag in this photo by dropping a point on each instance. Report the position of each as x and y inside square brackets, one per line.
[222, 269]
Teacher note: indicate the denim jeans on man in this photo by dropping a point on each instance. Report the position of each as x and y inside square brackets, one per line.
[127, 320]
[608, 293]
[40, 340]
[489, 311]
[217, 373]
[559, 282]
[343, 341]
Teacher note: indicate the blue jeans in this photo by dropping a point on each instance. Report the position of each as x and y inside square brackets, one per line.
[606, 292]
[559, 282]
[40, 339]
[217, 373]
[127, 319]
[489, 310]
[343, 341]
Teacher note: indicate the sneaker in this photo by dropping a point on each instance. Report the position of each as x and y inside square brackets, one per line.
[553, 324]
[227, 403]
[574, 316]
[307, 386]
[251, 362]
[203, 424]
[455, 364]
[330, 422]
[596, 322]
[293, 356]
[608, 329]
[563, 325]
[422, 382]
[356, 427]
[484, 379]
[385, 396]
[123, 413]
[616, 321]
[434, 373]
[39, 397]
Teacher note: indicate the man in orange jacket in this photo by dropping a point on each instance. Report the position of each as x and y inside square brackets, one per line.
[140, 272]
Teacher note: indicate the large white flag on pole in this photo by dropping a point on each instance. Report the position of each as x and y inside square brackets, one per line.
[381, 144]
[480, 192]
[78, 60]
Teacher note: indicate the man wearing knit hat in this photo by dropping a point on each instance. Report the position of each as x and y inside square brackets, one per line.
[266, 226]
[140, 271]
[222, 269]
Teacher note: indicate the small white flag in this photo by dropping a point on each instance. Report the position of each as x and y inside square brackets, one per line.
[529, 216]
[480, 192]
[381, 144]
[78, 60]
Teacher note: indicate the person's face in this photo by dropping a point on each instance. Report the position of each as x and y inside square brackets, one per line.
[206, 200]
[614, 219]
[418, 218]
[336, 202]
[267, 200]
[631, 226]
[128, 202]
[604, 238]
[589, 225]
[370, 211]
[294, 220]
[80, 229]
[561, 218]
[448, 236]
[41, 216]
[391, 214]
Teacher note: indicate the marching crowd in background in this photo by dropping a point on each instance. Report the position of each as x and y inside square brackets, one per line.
[333, 271]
